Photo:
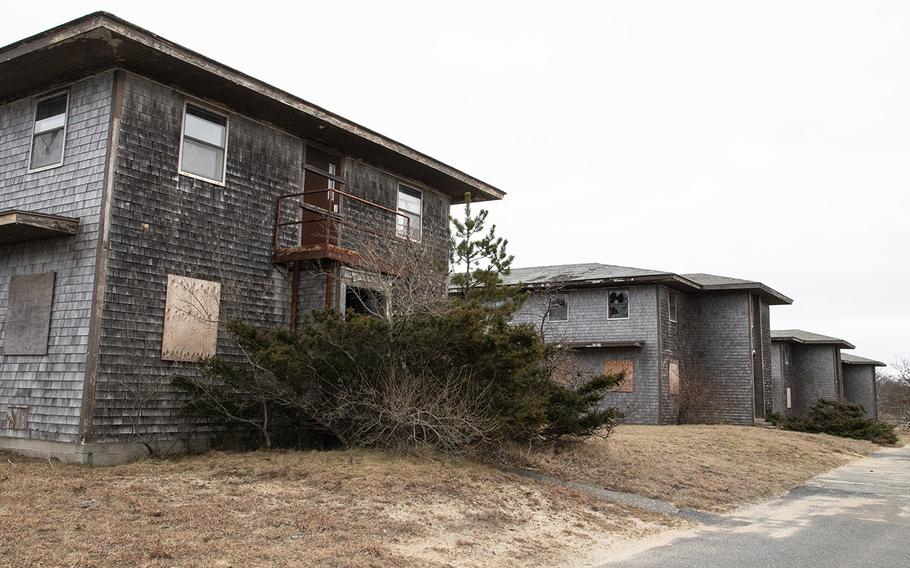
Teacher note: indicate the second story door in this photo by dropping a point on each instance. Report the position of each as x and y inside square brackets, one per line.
[320, 180]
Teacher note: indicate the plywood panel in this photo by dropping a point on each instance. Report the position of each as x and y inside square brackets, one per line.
[674, 377]
[616, 366]
[29, 321]
[190, 319]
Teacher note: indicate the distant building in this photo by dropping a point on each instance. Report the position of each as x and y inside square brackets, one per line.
[694, 347]
[806, 367]
[860, 386]
[148, 194]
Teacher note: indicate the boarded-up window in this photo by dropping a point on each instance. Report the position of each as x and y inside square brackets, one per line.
[627, 368]
[190, 319]
[28, 321]
[17, 417]
[789, 399]
[674, 377]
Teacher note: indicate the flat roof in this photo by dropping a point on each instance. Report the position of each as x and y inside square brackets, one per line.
[597, 274]
[849, 359]
[808, 337]
[101, 41]
[17, 226]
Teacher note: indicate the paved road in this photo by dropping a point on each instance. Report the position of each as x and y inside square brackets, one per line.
[855, 516]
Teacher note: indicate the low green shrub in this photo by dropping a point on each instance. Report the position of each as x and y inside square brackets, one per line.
[838, 418]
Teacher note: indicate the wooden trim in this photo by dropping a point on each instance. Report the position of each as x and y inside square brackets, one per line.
[86, 422]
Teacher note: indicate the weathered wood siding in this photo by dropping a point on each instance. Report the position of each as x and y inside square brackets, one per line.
[51, 385]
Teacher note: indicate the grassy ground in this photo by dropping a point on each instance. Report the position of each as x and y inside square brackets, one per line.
[298, 509]
[715, 468]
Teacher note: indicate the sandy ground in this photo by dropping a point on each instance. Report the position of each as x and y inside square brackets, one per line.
[713, 468]
[329, 509]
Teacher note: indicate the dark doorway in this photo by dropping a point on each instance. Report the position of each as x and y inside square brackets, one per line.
[364, 301]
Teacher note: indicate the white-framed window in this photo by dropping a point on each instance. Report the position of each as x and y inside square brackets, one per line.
[410, 213]
[673, 309]
[204, 144]
[558, 309]
[49, 133]
[618, 304]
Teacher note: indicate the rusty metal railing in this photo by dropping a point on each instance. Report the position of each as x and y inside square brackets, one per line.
[331, 220]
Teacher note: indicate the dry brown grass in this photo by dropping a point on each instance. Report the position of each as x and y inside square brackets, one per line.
[334, 509]
[715, 468]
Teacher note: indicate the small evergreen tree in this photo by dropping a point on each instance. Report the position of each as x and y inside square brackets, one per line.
[478, 255]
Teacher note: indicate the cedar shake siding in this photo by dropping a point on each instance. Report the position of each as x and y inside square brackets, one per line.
[49, 387]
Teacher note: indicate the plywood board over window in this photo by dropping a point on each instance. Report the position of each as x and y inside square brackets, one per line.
[674, 377]
[624, 366]
[28, 321]
[190, 319]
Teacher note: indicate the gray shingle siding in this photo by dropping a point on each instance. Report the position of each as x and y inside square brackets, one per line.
[711, 340]
[814, 374]
[51, 385]
[587, 321]
[859, 387]
[166, 223]
[722, 358]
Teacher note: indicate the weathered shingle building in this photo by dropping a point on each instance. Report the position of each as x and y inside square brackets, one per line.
[860, 386]
[148, 193]
[806, 368]
[694, 347]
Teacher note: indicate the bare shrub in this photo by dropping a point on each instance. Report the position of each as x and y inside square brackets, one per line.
[412, 408]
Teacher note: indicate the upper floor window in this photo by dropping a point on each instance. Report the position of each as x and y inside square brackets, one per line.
[204, 144]
[558, 310]
[618, 304]
[410, 209]
[672, 308]
[49, 133]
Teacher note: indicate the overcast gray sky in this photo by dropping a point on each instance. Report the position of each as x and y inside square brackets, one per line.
[765, 140]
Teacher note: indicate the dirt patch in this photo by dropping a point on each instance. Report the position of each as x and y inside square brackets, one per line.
[335, 509]
[713, 468]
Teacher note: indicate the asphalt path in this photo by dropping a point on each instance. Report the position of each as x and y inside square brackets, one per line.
[854, 516]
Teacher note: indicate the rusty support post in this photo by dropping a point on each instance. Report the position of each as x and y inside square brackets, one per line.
[295, 295]
[330, 287]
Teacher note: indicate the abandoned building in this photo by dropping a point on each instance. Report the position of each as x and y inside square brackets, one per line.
[859, 382]
[148, 193]
[693, 347]
[806, 368]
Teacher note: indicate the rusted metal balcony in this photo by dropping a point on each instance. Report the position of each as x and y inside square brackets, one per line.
[323, 227]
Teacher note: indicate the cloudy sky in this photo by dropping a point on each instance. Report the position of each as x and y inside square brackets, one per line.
[765, 140]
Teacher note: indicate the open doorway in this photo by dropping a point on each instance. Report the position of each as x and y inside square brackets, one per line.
[364, 301]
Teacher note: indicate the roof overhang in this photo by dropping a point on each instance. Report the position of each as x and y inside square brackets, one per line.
[668, 279]
[843, 344]
[101, 41]
[856, 360]
[671, 280]
[770, 295]
[24, 226]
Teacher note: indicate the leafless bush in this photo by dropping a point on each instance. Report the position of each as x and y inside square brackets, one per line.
[894, 393]
[404, 408]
